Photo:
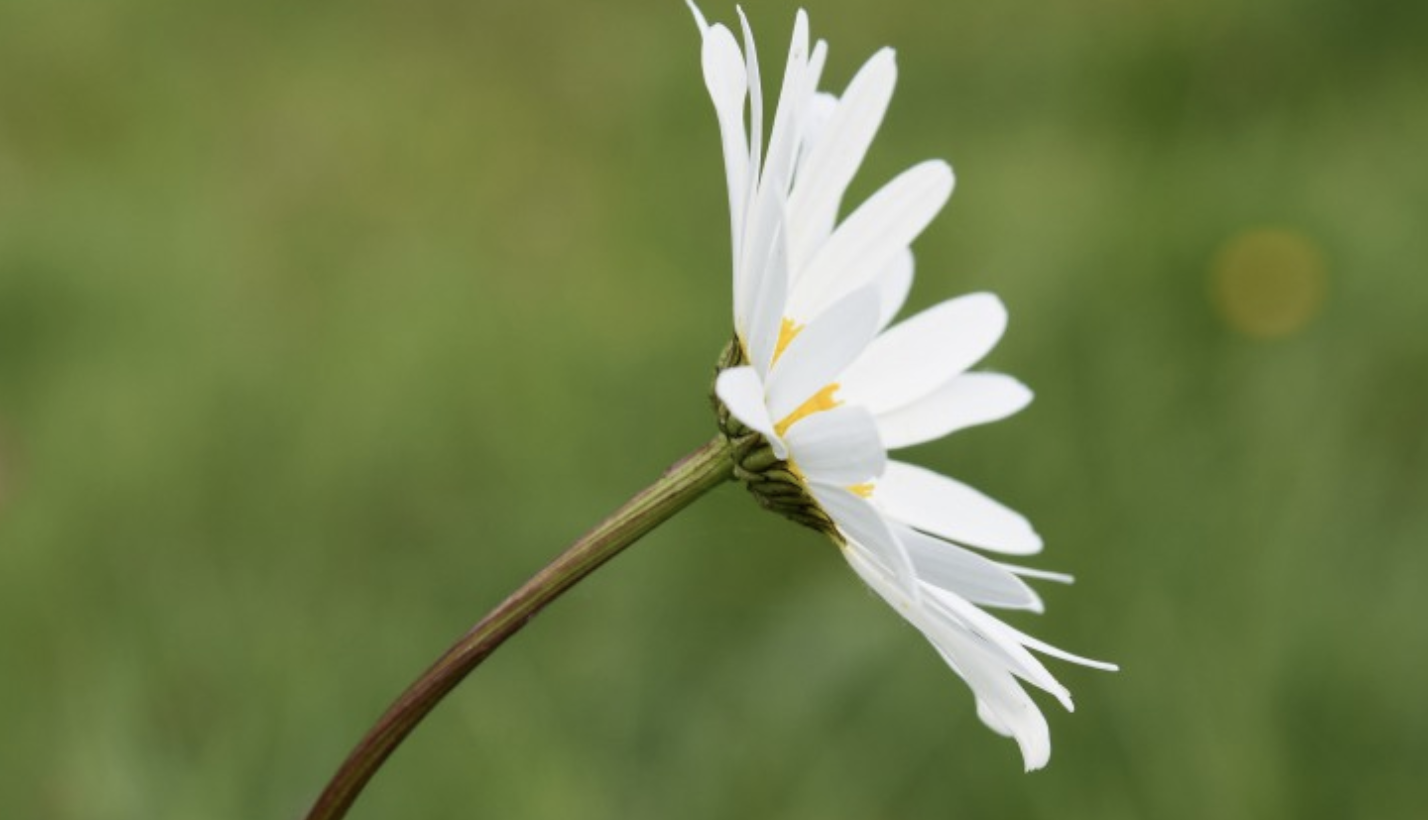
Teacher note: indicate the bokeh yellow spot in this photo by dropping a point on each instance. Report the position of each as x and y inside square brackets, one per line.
[1268, 282]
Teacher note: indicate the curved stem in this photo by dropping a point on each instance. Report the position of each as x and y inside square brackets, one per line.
[688, 479]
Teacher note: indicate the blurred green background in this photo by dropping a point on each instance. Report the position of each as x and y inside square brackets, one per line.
[323, 325]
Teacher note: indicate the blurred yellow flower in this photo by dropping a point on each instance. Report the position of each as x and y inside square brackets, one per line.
[1268, 282]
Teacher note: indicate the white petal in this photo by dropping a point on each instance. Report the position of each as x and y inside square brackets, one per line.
[769, 299]
[880, 579]
[867, 240]
[1061, 654]
[727, 80]
[1040, 574]
[967, 400]
[821, 351]
[894, 283]
[1005, 707]
[998, 641]
[1008, 645]
[964, 635]
[740, 389]
[816, 60]
[868, 536]
[766, 215]
[818, 106]
[838, 152]
[838, 446]
[787, 131]
[991, 719]
[1002, 703]
[953, 568]
[934, 503]
[698, 15]
[820, 111]
[915, 357]
[1005, 634]
[756, 101]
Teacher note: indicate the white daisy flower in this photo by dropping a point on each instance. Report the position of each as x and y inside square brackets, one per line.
[816, 388]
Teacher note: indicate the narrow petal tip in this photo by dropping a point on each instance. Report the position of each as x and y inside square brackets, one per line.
[698, 15]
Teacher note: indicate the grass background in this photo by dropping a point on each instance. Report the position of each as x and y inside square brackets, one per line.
[323, 325]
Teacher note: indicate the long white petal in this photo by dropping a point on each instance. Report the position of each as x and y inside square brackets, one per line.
[894, 283]
[756, 103]
[991, 719]
[952, 612]
[816, 60]
[1041, 574]
[840, 149]
[985, 663]
[1004, 706]
[871, 542]
[766, 216]
[915, 357]
[769, 300]
[868, 239]
[838, 446]
[727, 79]
[934, 503]
[818, 107]
[821, 351]
[1004, 633]
[1001, 702]
[821, 109]
[787, 133]
[699, 18]
[953, 568]
[965, 401]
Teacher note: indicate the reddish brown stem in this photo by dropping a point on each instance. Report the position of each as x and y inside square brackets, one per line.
[688, 479]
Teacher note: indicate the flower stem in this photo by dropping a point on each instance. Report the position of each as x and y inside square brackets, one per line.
[688, 479]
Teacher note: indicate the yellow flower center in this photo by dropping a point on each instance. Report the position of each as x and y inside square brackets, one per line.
[787, 331]
[817, 403]
[824, 399]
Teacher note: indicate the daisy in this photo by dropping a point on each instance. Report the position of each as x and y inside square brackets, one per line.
[817, 387]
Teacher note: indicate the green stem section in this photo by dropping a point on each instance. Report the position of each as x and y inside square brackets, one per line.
[688, 479]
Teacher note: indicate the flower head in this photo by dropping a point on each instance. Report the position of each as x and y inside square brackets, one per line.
[817, 386]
